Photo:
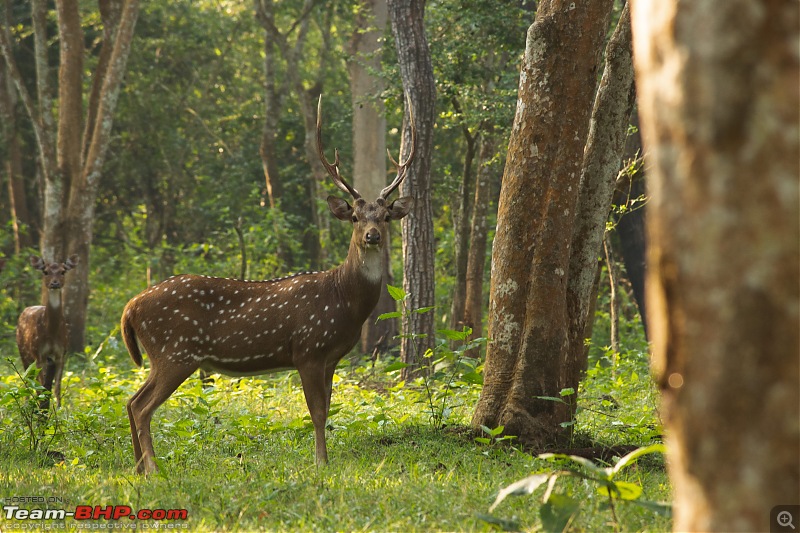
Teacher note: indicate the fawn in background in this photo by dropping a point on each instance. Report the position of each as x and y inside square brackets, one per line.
[42, 329]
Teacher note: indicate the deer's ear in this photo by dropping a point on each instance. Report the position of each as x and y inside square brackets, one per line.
[401, 207]
[37, 262]
[71, 262]
[340, 208]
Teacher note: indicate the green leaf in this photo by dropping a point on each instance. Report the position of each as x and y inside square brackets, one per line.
[387, 316]
[452, 334]
[557, 512]
[397, 293]
[567, 392]
[423, 310]
[635, 454]
[482, 440]
[550, 399]
[397, 365]
[492, 432]
[520, 488]
[621, 489]
[473, 378]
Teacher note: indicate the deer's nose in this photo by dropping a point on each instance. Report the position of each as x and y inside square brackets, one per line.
[54, 285]
[373, 236]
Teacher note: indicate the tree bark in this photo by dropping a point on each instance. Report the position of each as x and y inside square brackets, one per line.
[719, 93]
[369, 144]
[419, 87]
[528, 353]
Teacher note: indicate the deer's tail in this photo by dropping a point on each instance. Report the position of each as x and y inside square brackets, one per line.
[129, 337]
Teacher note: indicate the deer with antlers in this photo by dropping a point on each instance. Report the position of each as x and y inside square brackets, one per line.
[42, 329]
[306, 321]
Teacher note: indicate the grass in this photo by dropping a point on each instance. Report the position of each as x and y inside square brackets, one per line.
[239, 455]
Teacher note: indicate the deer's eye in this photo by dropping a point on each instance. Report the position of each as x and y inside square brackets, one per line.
[355, 219]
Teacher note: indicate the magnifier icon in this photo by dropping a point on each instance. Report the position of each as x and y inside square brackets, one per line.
[785, 519]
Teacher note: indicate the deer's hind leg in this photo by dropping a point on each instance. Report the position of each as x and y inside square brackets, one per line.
[163, 380]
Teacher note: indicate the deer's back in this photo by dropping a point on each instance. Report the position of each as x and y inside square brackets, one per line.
[242, 327]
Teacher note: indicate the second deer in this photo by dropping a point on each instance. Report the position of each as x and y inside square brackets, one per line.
[42, 329]
[307, 321]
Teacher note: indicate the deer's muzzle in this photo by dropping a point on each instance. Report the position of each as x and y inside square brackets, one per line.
[373, 236]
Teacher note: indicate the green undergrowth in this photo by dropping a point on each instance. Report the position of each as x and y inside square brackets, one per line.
[238, 454]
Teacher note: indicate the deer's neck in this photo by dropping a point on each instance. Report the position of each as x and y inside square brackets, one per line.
[53, 308]
[359, 278]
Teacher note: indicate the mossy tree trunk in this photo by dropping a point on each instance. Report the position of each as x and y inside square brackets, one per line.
[551, 216]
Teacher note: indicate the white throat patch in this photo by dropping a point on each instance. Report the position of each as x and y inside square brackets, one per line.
[371, 265]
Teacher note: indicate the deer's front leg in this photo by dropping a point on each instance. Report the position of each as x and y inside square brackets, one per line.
[313, 375]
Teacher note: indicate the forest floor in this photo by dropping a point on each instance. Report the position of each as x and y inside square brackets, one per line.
[238, 455]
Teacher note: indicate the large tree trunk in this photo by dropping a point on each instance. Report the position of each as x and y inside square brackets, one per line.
[369, 143]
[719, 96]
[417, 228]
[529, 351]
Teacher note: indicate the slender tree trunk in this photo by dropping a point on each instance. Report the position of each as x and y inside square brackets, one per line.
[419, 87]
[529, 351]
[307, 97]
[478, 236]
[608, 131]
[52, 235]
[369, 144]
[719, 93]
[613, 304]
[276, 89]
[461, 227]
[83, 187]
[273, 99]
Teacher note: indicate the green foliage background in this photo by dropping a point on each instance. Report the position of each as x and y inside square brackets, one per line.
[183, 168]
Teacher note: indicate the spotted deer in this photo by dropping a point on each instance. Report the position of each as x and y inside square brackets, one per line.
[305, 321]
[42, 329]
